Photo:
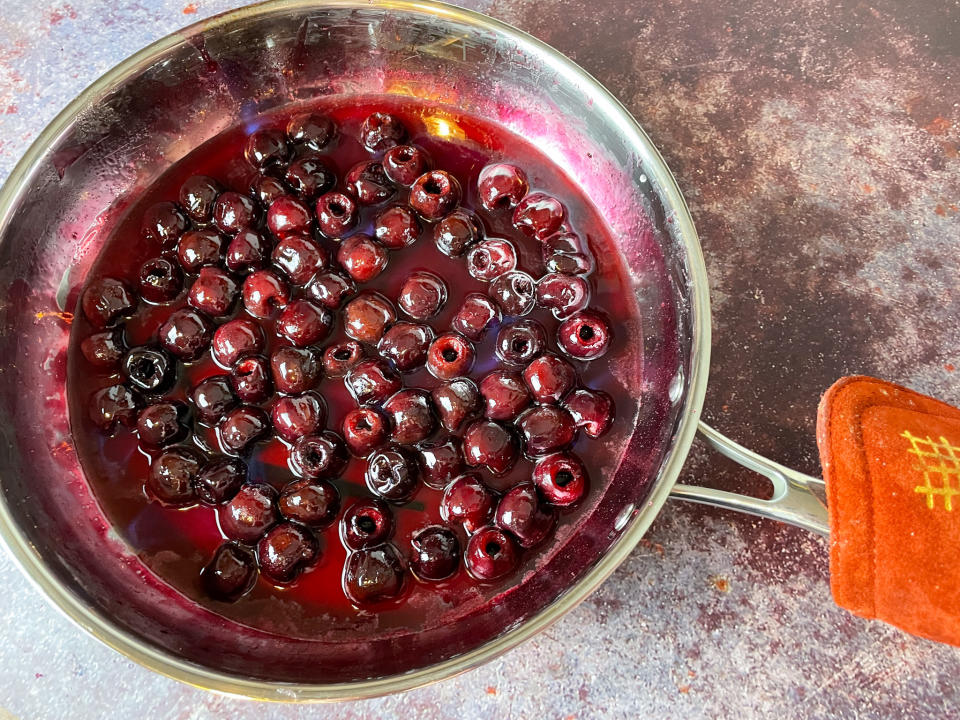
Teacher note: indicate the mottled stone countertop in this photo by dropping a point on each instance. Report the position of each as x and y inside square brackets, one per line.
[817, 145]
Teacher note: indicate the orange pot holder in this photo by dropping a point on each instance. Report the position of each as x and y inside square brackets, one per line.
[891, 462]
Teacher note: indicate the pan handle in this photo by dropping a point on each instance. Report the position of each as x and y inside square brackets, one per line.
[794, 500]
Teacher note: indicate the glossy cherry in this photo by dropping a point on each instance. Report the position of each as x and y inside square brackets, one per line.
[309, 176]
[164, 223]
[381, 131]
[264, 292]
[106, 301]
[563, 294]
[467, 501]
[515, 293]
[234, 212]
[434, 194]
[197, 196]
[546, 429]
[504, 395]
[366, 317]
[501, 186]
[213, 398]
[364, 430]
[230, 574]
[251, 379]
[213, 292]
[491, 553]
[103, 349]
[405, 345]
[220, 480]
[457, 232]
[522, 513]
[186, 334]
[240, 336]
[303, 323]
[311, 130]
[411, 415]
[372, 381]
[440, 462]
[373, 575]
[456, 401]
[331, 289]
[285, 551]
[591, 410]
[149, 370]
[162, 424]
[422, 295]
[114, 404]
[160, 280]
[172, 475]
[475, 315]
[435, 553]
[366, 523]
[585, 335]
[362, 258]
[295, 416]
[287, 216]
[403, 164]
[562, 479]
[392, 473]
[299, 258]
[336, 214]
[340, 357]
[450, 355]
[520, 342]
[247, 251]
[491, 445]
[539, 215]
[549, 378]
[266, 147]
[396, 227]
[241, 427]
[489, 259]
[368, 183]
[319, 456]
[294, 370]
[250, 513]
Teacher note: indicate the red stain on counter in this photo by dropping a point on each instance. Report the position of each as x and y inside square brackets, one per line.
[64, 12]
[191, 9]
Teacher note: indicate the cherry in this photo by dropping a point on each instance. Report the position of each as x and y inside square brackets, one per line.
[365, 317]
[266, 147]
[381, 131]
[331, 289]
[339, 358]
[112, 405]
[585, 335]
[467, 501]
[396, 227]
[149, 371]
[505, 396]
[405, 345]
[264, 292]
[372, 381]
[373, 575]
[186, 334]
[411, 413]
[366, 524]
[163, 223]
[213, 292]
[230, 574]
[103, 349]
[489, 259]
[501, 186]
[248, 251]
[250, 513]
[296, 416]
[549, 378]
[368, 183]
[440, 462]
[213, 398]
[546, 429]
[300, 258]
[311, 130]
[562, 479]
[198, 248]
[434, 194]
[475, 315]
[242, 427]
[197, 196]
[234, 338]
[318, 456]
[162, 424]
[310, 176]
[364, 429]
[538, 215]
[591, 410]
[422, 295]
[160, 280]
[392, 473]
[336, 214]
[106, 301]
[403, 164]
[491, 553]
[515, 292]
[450, 355]
[266, 188]
[220, 480]
[490, 445]
[287, 216]
[563, 294]
[294, 370]
[456, 401]
[172, 475]
[566, 253]
[304, 323]
[234, 212]
[250, 378]
[362, 258]
[524, 516]
[457, 232]
[520, 342]
[436, 553]
[285, 550]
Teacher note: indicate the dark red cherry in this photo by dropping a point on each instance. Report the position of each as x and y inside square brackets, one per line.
[392, 473]
[266, 147]
[172, 475]
[546, 429]
[336, 214]
[491, 553]
[381, 131]
[366, 524]
[230, 574]
[285, 551]
[213, 398]
[197, 196]
[373, 575]
[563, 294]
[339, 358]
[106, 301]
[248, 251]
[112, 405]
[304, 323]
[300, 258]
[591, 410]
[242, 427]
[468, 502]
[213, 292]
[162, 424]
[220, 480]
[319, 456]
[411, 414]
[240, 336]
[294, 370]
[372, 381]
[422, 295]
[250, 378]
[364, 430]
[250, 513]
[585, 335]
[505, 395]
[441, 462]
[368, 183]
[198, 248]
[520, 342]
[160, 280]
[331, 289]
[489, 259]
[311, 130]
[549, 378]
[310, 176]
[296, 416]
[366, 317]
[405, 345]
[164, 223]
[450, 355]
[234, 212]
[491, 445]
[515, 293]
[264, 292]
[266, 188]
[149, 370]
[396, 227]
[436, 553]
[186, 334]
[434, 194]
[501, 186]
[539, 215]
[524, 516]
[103, 349]
[403, 164]
[456, 401]
[287, 216]
[457, 232]
[476, 314]
[562, 479]
[361, 258]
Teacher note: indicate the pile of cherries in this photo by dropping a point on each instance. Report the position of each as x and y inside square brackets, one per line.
[267, 275]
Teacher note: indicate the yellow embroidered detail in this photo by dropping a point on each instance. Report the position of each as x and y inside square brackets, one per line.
[936, 458]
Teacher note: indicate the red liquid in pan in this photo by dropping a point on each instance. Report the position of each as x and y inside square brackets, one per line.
[178, 542]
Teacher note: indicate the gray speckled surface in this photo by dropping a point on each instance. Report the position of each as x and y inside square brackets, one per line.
[817, 145]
